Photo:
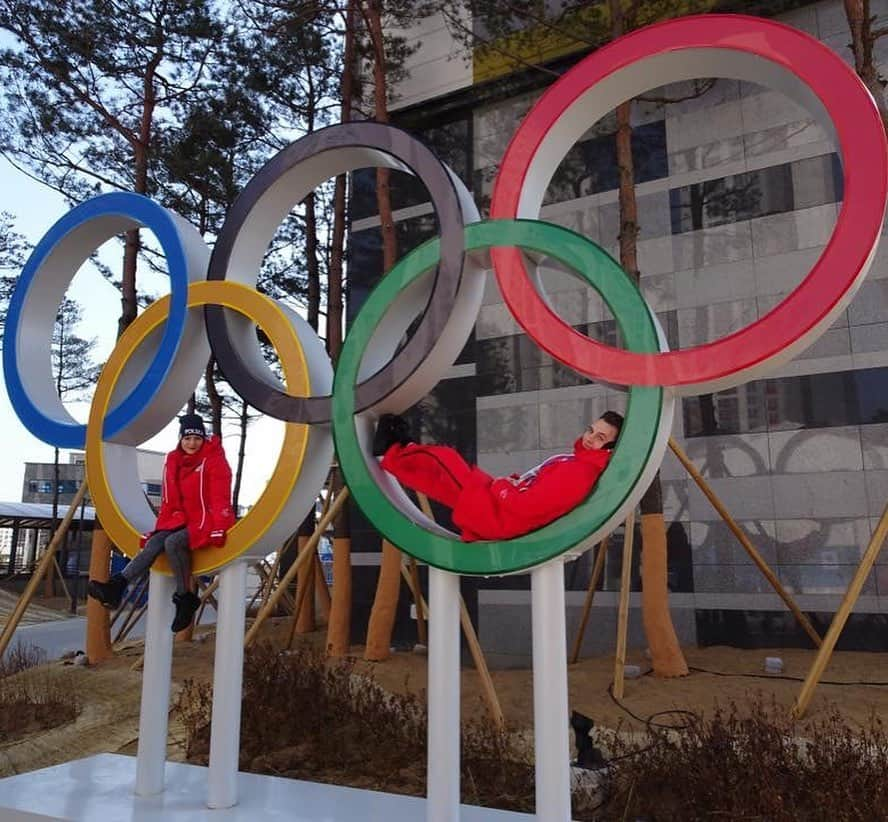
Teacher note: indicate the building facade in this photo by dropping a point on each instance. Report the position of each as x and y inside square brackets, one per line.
[738, 191]
[37, 485]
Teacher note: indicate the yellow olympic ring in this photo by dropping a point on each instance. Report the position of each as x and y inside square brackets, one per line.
[267, 314]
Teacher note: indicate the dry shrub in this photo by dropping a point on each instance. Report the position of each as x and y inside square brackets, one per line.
[20, 657]
[307, 717]
[31, 698]
[755, 764]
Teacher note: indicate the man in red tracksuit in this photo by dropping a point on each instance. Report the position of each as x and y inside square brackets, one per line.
[485, 507]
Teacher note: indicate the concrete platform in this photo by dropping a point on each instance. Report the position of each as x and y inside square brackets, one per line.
[101, 788]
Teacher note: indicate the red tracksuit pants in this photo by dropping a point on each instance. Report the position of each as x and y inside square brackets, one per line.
[438, 471]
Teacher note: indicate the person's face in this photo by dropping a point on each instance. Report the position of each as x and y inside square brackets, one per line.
[191, 443]
[599, 434]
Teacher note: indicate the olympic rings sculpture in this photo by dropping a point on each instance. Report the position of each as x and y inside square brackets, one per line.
[213, 304]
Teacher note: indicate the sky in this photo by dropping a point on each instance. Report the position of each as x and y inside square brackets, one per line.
[35, 209]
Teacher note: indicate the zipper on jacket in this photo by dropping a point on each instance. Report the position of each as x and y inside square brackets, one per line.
[203, 505]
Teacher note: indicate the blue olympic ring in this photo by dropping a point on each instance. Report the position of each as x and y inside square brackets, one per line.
[50, 265]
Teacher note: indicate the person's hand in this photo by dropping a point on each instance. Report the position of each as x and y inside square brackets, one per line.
[143, 538]
[217, 538]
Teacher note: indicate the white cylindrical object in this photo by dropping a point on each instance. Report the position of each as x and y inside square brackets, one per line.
[442, 789]
[156, 670]
[228, 674]
[550, 717]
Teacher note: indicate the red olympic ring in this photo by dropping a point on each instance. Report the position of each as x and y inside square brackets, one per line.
[745, 47]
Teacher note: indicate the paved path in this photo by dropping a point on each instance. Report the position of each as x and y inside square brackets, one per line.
[35, 613]
[59, 636]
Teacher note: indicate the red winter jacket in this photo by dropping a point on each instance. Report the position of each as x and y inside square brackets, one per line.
[196, 493]
[503, 508]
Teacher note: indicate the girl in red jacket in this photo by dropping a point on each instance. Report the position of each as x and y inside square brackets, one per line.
[485, 507]
[195, 512]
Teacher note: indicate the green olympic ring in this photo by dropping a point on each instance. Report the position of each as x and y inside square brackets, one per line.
[645, 407]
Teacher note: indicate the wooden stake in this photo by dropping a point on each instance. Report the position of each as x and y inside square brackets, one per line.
[597, 570]
[58, 570]
[132, 620]
[268, 582]
[258, 569]
[48, 587]
[490, 696]
[304, 556]
[301, 594]
[488, 690]
[756, 557]
[841, 617]
[130, 600]
[623, 613]
[322, 591]
[205, 596]
[45, 562]
[304, 614]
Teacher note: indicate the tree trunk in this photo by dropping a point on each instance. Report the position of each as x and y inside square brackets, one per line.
[214, 397]
[666, 655]
[140, 144]
[241, 451]
[311, 263]
[305, 578]
[337, 245]
[860, 22]
[339, 626]
[388, 588]
[372, 18]
[385, 605]
[311, 228]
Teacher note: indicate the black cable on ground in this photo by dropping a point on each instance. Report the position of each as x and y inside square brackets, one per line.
[786, 677]
[692, 717]
[650, 722]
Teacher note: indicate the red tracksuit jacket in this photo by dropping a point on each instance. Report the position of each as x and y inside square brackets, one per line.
[491, 508]
[196, 493]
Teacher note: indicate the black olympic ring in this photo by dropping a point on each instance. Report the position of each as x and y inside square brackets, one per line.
[264, 203]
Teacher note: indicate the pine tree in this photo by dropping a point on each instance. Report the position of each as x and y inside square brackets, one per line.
[74, 371]
[13, 248]
[87, 88]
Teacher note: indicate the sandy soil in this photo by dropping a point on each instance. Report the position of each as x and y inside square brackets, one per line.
[109, 693]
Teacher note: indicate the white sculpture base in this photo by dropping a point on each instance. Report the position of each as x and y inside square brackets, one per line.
[101, 787]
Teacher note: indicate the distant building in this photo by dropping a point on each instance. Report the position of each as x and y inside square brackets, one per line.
[738, 193]
[37, 485]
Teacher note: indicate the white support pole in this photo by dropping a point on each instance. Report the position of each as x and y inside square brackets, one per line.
[156, 671]
[442, 804]
[550, 719]
[228, 675]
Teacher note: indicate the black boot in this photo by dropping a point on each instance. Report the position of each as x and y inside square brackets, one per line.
[109, 593]
[186, 606]
[588, 756]
[390, 429]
